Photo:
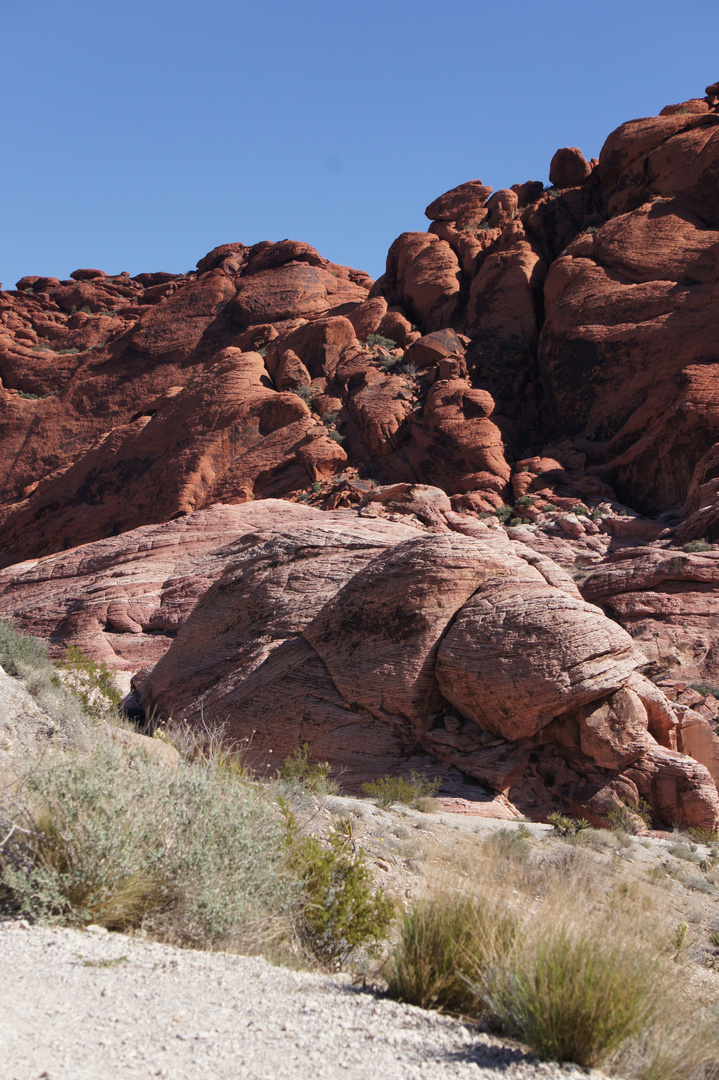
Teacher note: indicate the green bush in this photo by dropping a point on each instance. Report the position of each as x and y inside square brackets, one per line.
[339, 911]
[705, 689]
[629, 818]
[415, 790]
[335, 435]
[382, 342]
[566, 826]
[504, 512]
[329, 418]
[698, 545]
[441, 942]
[314, 775]
[305, 392]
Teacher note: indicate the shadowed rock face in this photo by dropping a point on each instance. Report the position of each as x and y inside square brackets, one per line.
[552, 349]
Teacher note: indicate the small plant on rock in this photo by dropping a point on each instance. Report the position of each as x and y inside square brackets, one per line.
[305, 392]
[697, 545]
[415, 790]
[314, 775]
[382, 342]
[566, 826]
[90, 681]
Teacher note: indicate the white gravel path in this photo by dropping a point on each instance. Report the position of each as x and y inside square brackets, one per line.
[88, 1005]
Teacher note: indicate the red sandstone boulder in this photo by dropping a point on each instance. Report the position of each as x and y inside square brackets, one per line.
[668, 600]
[569, 168]
[373, 643]
[461, 204]
[423, 276]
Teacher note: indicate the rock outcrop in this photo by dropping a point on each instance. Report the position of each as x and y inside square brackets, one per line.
[528, 397]
[379, 643]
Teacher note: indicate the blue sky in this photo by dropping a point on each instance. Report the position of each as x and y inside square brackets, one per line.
[138, 135]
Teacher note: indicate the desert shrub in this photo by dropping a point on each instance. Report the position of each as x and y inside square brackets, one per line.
[382, 342]
[314, 775]
[504, 512]
[682, 850]
[571, 996]
[335, 435]
[111, 836]
[567, 827]
[507, 845]
[549, 508]
[630, 817]
[580, 510]
[526, 500]
[21, 654]
[329, 418]
[415, 790]
[338, 911]
[705, 689]
[25, 656]
[91, 682]
[305, 392]
[441, 941]
[698, 545]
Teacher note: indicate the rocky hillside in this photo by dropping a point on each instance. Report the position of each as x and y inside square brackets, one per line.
[522, 407]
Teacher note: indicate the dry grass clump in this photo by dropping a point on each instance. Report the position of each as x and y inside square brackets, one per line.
[563, 949]
[572, 995]
[441, 941]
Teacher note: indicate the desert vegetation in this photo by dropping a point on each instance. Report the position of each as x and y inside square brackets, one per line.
[575, 941]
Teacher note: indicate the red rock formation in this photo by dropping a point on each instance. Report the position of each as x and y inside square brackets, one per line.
[537, 355]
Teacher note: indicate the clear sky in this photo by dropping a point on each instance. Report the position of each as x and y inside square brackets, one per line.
[138, 135]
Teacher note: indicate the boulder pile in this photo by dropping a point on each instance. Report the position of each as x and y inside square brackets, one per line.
[461, 517]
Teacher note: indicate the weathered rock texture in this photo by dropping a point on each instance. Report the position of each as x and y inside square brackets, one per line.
[380, 643]
[544, 358]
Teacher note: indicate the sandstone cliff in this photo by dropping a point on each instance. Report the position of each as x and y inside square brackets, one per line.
[524, 405]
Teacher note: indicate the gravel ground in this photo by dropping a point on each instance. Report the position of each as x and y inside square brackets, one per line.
[90, 1005]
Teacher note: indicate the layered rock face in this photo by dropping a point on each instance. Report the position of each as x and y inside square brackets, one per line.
[382, 644]
[525, 399]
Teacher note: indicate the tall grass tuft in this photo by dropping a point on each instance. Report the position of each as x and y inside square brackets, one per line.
[571, 995]
[441, 941]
